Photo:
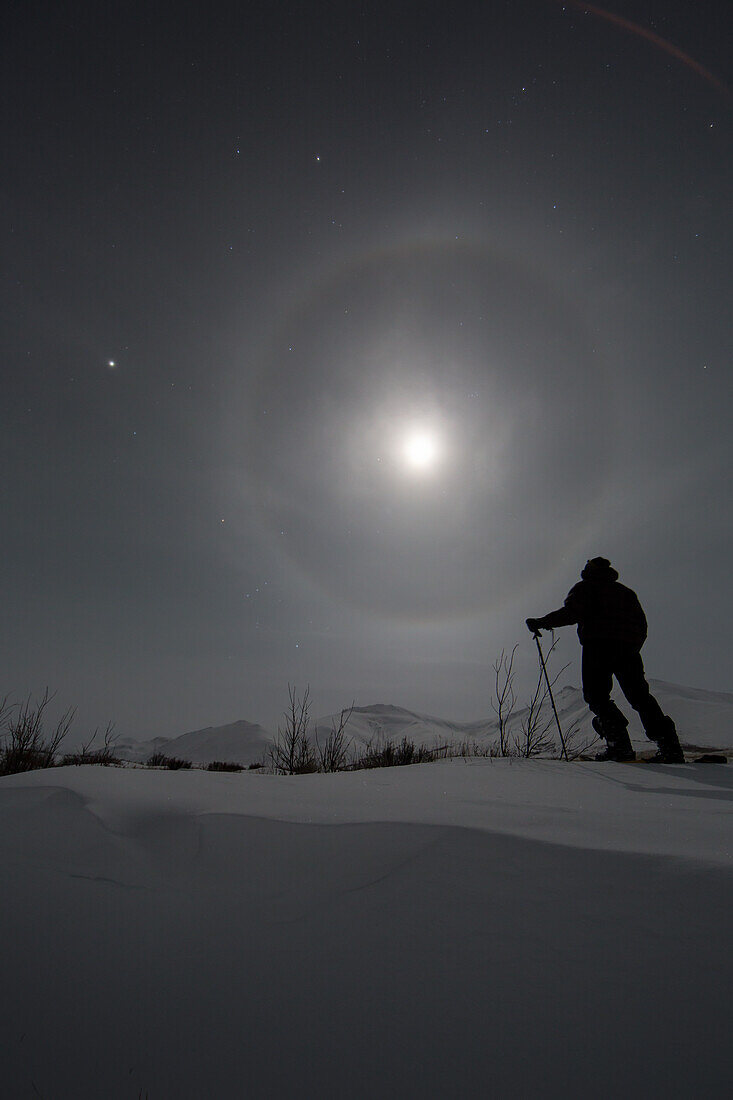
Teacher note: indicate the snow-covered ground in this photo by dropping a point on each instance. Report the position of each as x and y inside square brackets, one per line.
[467, 928]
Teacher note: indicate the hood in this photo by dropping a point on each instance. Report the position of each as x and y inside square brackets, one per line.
[599, 569]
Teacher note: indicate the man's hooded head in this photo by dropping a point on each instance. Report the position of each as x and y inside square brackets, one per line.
[599, 569]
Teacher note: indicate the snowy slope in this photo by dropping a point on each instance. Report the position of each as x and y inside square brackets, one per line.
[243, 742]
[466, 928]
[127, 748]
[383, 721]
[703, 718]
[240, 742]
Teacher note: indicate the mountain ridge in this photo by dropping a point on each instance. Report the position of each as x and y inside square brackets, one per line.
[704, 719]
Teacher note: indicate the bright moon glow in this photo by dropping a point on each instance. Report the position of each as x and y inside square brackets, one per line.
[420, 450]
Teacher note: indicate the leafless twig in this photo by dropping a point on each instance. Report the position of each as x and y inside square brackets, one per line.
[26, 747]
[332, 756]
[291, 753]
[505, 698]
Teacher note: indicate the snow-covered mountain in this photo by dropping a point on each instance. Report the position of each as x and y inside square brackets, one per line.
[127, 748]
[383, 721]
[238, 742]
[704, 720]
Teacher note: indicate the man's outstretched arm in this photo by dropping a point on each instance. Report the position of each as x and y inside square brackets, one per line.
[566, 615]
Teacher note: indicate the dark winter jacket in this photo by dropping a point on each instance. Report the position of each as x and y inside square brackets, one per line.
[603, 609]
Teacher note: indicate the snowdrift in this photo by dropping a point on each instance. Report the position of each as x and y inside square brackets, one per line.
[466, 928]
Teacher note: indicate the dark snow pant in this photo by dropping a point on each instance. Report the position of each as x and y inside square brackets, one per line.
[601, 662]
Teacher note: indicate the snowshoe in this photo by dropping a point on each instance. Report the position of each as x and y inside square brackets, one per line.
[618, 743]
[670, 750]
[667, 754]
[617, 752]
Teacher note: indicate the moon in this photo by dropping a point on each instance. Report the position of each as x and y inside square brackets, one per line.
[420, 450]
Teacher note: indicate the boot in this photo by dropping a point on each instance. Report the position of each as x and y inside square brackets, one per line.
[669, 750]
[618, 743]
[621, 751]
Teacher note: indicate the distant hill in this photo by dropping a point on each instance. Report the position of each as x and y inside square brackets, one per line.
[383, 721]
[704, 720]
[239, 742]
[127, 748]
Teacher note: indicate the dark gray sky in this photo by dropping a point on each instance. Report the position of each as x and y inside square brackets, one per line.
[251, 251]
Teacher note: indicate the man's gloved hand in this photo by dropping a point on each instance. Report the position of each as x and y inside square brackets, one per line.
[534, 625]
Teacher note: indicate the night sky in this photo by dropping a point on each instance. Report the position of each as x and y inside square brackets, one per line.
[337, 337]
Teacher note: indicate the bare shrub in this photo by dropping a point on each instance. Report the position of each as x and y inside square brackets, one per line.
[380, 753]
[333, 755]
[292, 753]
[575, 743]
[102, 755]
[505, 698]
[535, 738]
[25, 745]
[224, 766]
[6, 710]
[468, 748]
[444, 752]
[537, 729]
[173, 763]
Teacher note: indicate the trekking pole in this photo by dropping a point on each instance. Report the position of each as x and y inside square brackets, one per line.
[552, 697]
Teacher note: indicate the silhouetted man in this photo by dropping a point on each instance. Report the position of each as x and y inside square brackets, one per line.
[612, 629]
